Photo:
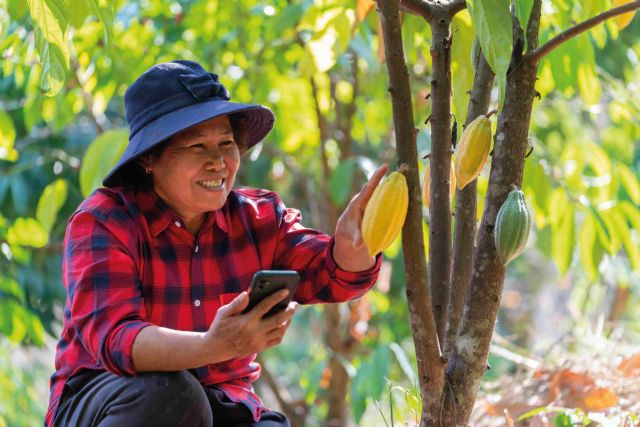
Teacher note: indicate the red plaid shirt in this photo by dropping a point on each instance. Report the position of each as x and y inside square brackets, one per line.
[129, 262]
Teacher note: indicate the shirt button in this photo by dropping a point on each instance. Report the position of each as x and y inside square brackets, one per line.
[177, 223]
[197, 303]
[197, 248]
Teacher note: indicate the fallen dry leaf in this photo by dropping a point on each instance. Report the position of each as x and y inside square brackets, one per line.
[631, 366]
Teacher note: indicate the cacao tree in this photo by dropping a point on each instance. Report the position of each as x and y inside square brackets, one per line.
[321, 65]
[453, 306]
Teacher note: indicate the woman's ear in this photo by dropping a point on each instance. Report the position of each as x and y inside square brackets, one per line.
[146, 161]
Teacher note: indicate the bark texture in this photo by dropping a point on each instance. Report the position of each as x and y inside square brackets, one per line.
[466, 205]
[430, 364]
[468, 360]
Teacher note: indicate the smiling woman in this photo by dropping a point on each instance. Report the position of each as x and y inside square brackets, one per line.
[160, 261]
[195, 170]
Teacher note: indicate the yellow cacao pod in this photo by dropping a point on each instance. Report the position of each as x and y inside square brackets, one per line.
[473, 151]
[626, 18]
[512, 226]
[427, 182]
[385, 213]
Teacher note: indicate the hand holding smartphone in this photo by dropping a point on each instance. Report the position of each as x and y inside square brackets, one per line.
[266, 282]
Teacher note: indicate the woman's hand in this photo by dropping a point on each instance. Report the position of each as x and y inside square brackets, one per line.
[349, 251]
[234, 335]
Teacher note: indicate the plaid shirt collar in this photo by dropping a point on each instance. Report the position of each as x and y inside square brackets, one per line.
[159, 215]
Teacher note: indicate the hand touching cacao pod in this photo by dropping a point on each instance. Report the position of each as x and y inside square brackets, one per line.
[385, 212]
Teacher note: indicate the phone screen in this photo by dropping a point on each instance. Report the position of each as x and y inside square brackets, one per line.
[266, 282]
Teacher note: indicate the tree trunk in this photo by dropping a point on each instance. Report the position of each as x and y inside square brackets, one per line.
[469, 356]
[423, 326]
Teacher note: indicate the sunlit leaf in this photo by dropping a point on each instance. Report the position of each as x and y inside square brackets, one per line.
[51, 200]
[523, 11]
[563, 229]
[461, 69]
[363, 7]
[7, 138]
[630, 183]
[622, 230]
[607, 234]
[105, 11]
[27, 232]
[587, 241]
[625, 19]
[50, 25]
[9, 287]
[492, 19]
[100, 157]
[35, 330]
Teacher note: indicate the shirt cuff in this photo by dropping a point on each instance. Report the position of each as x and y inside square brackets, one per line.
[117, 355]
[357, 279]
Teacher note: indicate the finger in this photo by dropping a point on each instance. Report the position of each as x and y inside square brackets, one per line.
[267, 304]
[373, 182]
[236, 306]
[277, 320]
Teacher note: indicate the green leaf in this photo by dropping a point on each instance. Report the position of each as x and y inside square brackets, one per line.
[369, 382]
[27, 232]
[607, 233]
[103, 153]
[9, 286]
[51, 200]
[340, 182]
[7, 138]
[78, 13]
[492, 19]
[562, 228]
[461, 68]
[587, 243]
[523, 11]
[588, 82]
[632, 213]
[50, 25]
[105, 10]
[35, 330]
[630, 183]
[633, 249]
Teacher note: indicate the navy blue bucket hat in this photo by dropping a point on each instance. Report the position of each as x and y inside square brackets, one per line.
[174, 96]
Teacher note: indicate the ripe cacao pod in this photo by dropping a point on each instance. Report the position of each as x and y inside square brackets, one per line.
[512, 226]
[385, 212]
[473, 151]
[427, 182]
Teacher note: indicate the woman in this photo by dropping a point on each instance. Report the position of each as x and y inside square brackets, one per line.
[157, 265]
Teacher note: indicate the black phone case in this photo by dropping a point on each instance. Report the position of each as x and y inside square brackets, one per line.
[266, 282]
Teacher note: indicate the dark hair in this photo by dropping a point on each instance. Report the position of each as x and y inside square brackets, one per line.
[134, 175]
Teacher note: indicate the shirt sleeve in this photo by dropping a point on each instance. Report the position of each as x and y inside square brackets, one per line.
[310, 252]
[104, 293]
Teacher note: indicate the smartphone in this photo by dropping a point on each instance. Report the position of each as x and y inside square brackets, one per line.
[266, 282]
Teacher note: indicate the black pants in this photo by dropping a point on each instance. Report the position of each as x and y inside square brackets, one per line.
[152, 399]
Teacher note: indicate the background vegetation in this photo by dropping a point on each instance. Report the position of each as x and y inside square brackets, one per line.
[320, 66]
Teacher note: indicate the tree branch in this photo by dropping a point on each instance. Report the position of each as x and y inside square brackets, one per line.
[465, 216]
[536, 55]
[423, 326]
[440, 161]
[456, 6]
[417, 7]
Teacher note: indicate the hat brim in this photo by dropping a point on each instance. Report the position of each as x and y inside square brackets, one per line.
[259, 121]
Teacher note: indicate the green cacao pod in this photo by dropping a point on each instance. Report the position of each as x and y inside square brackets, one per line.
[512, 226]
[473, 151]
[385, 212]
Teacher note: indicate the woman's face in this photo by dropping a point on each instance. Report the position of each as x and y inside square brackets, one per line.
[196, 169]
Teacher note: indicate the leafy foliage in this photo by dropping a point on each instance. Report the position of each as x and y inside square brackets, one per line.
[317, 64]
